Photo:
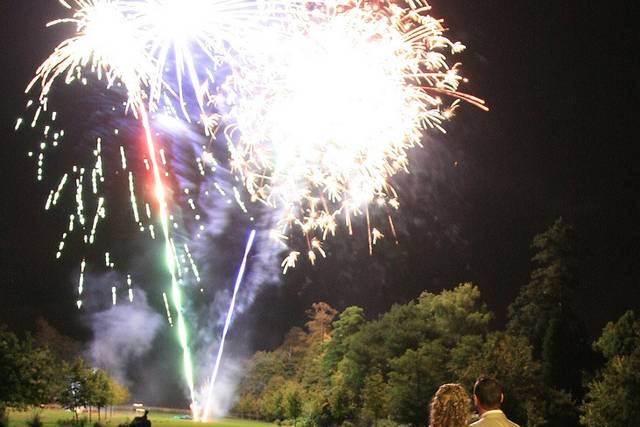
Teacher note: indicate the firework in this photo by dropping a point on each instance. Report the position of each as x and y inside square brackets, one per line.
[186, 29]
[169, 253]
[236, 287]
[321, 102]
[107, 42]
[111, 43]
[324, 116]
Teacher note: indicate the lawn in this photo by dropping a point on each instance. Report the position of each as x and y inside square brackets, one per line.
[50, 417]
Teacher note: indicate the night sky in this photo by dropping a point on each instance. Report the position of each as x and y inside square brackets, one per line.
[560, 140]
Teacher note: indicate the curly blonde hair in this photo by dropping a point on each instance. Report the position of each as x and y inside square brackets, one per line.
[449, 407]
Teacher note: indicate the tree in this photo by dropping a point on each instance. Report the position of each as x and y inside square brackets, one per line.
[341, 399]
[272, 400]
[293, 348]
[446, 317]
[613, 397]
[294, 404]
[552, 285]
[310, 368]
[319, 410]
[545, 311]
[528, 401]
[76, 391]
[298, 359]
[10, 367]
[29, 374]
[455, 313]
[246, 407]
[414, 378]
[119, 393]
[507, 358]
[555, 357]
[64, 347]
[99, 390]
[320, 315]
[349, 322]
[261, 368]
[310, 372]
[374, 398]
[392, 366]
[379, 341]
[621, 338]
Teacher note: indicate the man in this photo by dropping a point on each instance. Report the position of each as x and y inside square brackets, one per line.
[487, 396]
[142, 421]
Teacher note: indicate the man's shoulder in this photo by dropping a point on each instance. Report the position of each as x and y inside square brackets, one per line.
[494, 420]
[488, 422]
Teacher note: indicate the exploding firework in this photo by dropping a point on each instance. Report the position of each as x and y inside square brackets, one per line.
[325, 115]
[107, 42]
[134, 44]
[110, 43]
[321, 103]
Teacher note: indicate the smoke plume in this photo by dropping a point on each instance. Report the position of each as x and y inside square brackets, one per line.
[122, 335]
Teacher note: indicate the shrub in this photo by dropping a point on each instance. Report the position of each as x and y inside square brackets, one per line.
[72, 423]
[35, 420]
[4, 418]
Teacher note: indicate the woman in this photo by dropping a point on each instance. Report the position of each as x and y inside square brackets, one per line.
[449, 407]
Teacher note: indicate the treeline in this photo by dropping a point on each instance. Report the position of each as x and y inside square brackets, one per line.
[32, 374]
[342, 369]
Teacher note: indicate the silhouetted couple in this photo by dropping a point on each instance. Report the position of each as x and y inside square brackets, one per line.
[450, 405]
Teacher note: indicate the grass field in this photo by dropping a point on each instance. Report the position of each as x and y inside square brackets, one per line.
[50, 418]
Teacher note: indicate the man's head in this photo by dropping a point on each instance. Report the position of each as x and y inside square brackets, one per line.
[487, 394]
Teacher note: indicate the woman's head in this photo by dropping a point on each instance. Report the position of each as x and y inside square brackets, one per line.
[449, 407]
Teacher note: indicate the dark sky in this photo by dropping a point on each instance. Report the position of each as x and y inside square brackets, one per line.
[560, 140]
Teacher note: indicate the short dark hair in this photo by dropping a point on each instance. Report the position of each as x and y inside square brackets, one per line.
[488, 392]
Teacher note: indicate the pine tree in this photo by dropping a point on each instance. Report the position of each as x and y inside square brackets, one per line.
[546, 309]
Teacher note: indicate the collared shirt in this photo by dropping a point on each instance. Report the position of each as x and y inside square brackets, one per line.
[494, 418]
